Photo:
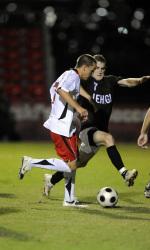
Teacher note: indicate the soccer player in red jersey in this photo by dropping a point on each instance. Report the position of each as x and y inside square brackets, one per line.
[63, 93]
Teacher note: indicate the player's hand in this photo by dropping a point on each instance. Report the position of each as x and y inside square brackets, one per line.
[83, 114]
[142, 141]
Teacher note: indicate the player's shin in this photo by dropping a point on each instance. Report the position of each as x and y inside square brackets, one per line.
[51, 164]
[69, 195]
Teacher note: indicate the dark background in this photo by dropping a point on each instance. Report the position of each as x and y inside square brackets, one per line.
[78, 29]
[120, 30]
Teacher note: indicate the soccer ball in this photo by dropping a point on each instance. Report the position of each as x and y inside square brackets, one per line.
[107, 197]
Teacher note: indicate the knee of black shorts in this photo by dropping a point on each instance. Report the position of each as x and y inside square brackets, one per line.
[80, 163]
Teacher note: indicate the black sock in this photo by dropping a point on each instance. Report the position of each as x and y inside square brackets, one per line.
[58, 176]
[115, 157]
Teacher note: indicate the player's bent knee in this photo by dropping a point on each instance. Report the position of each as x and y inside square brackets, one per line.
[109, 139]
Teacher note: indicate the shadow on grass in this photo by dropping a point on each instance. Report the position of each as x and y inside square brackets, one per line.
[45, 200]
[6, 195]
[121, 213]
[130, 197]
[89, 200]
[8, 210]
[106, 212]
[4, 232]
[138, 210]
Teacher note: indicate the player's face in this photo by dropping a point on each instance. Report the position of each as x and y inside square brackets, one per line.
[99, 72]
[88, 71]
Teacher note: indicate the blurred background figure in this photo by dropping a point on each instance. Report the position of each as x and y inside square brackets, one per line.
[7, 123]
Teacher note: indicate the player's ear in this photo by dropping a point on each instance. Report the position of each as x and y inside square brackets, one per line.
[84, 67]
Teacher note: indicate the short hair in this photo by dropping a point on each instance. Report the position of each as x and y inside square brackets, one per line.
[100, 58]
[85, 59]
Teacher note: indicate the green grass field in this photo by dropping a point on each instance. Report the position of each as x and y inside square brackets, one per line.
[29, 221]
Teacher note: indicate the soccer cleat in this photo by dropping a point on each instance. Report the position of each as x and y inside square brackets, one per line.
[130, 176]
[25, 167]
[47, 184]
[147, 190]
[74, 204]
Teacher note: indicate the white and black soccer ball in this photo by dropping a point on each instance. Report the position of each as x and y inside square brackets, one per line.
[107, 197]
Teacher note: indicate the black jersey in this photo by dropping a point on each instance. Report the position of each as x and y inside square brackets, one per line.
[102, 93]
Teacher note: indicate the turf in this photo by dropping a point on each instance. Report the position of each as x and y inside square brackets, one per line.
[30, 221]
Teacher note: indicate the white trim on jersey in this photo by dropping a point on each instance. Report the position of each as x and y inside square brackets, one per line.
[69, 81]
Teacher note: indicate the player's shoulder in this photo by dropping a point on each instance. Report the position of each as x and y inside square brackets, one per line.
[72, 74]
[112, 79]
[68, 72]
[68, 75]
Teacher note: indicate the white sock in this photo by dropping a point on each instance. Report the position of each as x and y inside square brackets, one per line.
[69, 195]
[51, 164]
[73, 196]
[122, 170]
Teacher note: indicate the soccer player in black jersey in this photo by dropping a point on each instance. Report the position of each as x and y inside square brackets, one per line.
[94, 133]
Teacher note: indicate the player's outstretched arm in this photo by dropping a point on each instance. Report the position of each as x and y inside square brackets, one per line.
[142, 140]
[132, 82]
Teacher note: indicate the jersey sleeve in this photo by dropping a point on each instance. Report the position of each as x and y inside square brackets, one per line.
[67, 81]
[114, 79]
